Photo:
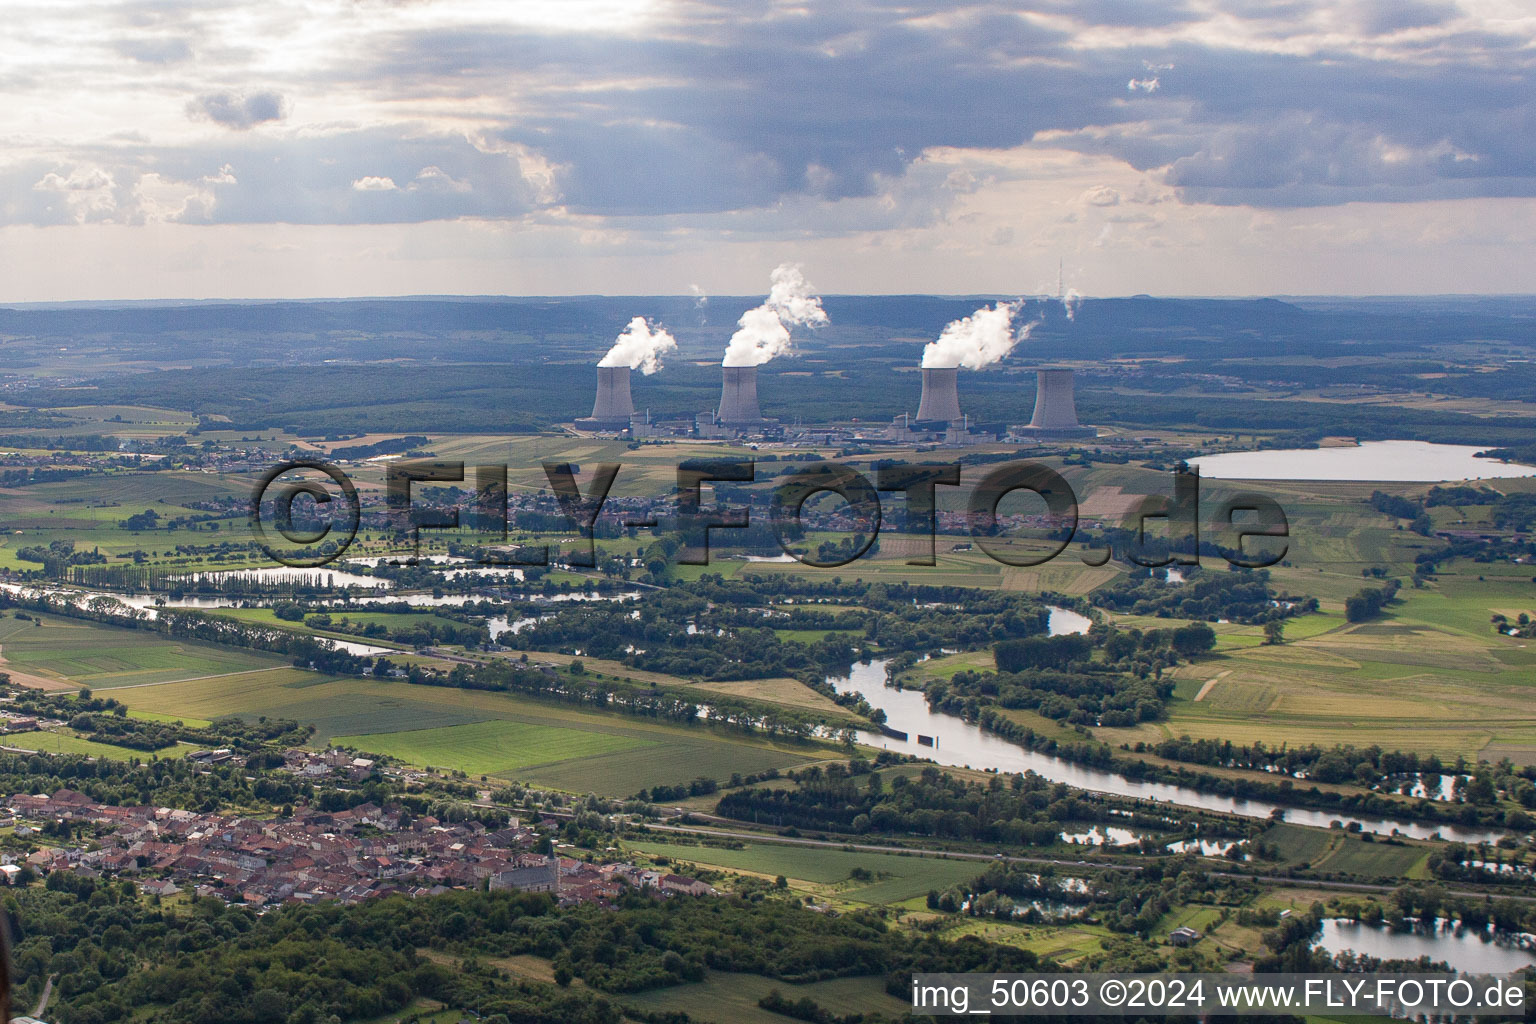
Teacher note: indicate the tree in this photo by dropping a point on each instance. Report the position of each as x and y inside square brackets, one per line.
[1195, 638]
[1274, 632]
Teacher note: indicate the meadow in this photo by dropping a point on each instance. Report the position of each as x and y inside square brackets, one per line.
[60, 741]
[779, 690]
[723, 998]
[75, 653]
[1430, 675]
[514, 738]
[826, 872]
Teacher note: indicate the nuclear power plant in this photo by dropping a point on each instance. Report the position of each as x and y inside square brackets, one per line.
[941, 396]
[938, 419]
[614, 409]
[1055, 407]
[738, 398]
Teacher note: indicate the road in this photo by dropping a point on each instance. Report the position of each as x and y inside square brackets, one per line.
[42, 1001]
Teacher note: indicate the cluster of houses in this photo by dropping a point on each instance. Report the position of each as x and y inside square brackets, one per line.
[348, 855]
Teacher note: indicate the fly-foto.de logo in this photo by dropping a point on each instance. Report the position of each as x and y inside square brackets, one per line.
[308, 513]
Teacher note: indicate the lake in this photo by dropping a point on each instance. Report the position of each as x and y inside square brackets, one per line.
[1477, 952]
[1373, 461]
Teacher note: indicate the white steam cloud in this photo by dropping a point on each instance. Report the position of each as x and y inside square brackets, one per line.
[1070, 301]
[763, 333]
[640, 347]
[978, 340]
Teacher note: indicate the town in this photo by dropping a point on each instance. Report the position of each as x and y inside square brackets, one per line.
[351, 855]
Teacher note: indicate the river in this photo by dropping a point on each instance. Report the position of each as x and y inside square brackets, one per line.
[960, 744]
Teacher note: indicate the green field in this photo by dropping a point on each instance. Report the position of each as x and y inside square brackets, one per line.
[89, 654]
[732, 998]
[1430, 676]
[827, 871]
[610, 754]
[484, 748]
[1340, 852]
[60, 742]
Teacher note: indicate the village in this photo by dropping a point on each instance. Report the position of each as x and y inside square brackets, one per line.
[348, 855]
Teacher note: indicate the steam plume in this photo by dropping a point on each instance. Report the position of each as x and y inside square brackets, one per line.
[1070, 301]
[978, 340]
[640, 347]
[763, 333]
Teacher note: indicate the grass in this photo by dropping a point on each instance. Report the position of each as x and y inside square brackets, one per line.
[633, 753]
[90, 654]
[824, 871]
[68, 743]
[1429, 676]
[1340, 852]
[780, 690]
[811, 636]
[485, 748]
[154, 716]
[724, 998]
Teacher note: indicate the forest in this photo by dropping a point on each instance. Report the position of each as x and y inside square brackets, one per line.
[117, 953]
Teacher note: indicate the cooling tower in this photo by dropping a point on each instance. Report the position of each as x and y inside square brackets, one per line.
[1055, 408]
[941, 396]
[738, 397]
[614, 407]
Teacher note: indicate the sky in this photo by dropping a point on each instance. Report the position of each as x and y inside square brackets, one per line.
[237, 149]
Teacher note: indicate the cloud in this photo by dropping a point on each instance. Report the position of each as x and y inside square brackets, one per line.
[775, 119]
[238, 110]
[79, 195]
[1101, 195]
[154, 50]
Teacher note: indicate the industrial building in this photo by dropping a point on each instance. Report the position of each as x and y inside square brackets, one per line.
[1055, 407]
[738, 399]
[614, 407]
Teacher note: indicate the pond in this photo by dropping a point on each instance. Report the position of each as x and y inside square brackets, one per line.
[314, 578]
[1465, 949]
[1383, 461]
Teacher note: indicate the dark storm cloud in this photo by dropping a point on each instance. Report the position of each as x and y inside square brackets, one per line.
[237, 110]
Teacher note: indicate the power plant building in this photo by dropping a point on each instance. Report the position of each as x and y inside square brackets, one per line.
[738, 399]
[1056, 407]
[940, 402]
[614, 408]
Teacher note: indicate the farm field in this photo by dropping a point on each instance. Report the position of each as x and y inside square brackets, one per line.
[482, 748]
[80, 653]
[827, 872]
[1332, 851]
[785, 691]
[266, 617]
[62, 742]
[1429, 675]
[723, 998]
[610, 754]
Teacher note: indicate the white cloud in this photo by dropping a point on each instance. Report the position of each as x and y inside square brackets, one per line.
[956, 137]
